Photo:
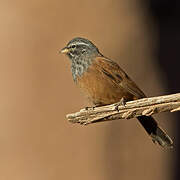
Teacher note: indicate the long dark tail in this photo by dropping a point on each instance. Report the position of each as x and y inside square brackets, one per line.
[156, 133]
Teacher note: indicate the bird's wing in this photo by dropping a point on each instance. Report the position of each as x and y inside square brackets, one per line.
[113, 70]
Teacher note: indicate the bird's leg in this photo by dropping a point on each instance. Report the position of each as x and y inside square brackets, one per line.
[122, 102]
[93, 107]
[90, 108]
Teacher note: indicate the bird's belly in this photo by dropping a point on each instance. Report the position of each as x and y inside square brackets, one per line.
[100, 89]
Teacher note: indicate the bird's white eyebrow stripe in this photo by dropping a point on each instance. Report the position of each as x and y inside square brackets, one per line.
[80, 43]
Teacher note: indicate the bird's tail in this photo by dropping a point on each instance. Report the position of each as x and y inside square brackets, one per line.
[157, 134]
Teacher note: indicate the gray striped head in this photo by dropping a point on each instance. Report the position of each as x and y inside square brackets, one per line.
[80, 47]
[81, 52]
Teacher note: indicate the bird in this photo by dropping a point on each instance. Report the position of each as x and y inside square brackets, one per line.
[104, 82]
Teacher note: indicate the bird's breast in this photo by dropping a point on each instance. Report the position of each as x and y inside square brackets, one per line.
[100, 88]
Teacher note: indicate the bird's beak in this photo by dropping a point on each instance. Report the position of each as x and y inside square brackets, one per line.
[64, 50]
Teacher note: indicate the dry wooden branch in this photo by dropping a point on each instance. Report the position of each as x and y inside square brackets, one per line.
[145, 106]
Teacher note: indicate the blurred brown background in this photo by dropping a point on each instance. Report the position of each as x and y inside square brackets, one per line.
[37, 91]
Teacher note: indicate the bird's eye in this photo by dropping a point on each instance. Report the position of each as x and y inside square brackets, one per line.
[73, 46]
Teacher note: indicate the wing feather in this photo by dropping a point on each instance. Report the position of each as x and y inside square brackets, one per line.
[113, 71]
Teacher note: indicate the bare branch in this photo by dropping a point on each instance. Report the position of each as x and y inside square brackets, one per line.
[145, 106]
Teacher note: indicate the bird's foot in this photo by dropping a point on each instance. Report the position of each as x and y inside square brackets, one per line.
[90, 108]
[122, 102]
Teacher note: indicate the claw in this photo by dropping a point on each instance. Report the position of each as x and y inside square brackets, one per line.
[89, 108]
[122, 102]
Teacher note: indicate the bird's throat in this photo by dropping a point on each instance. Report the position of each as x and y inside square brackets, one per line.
[79, 66]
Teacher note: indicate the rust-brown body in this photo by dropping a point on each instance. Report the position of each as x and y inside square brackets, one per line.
[105, 82]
